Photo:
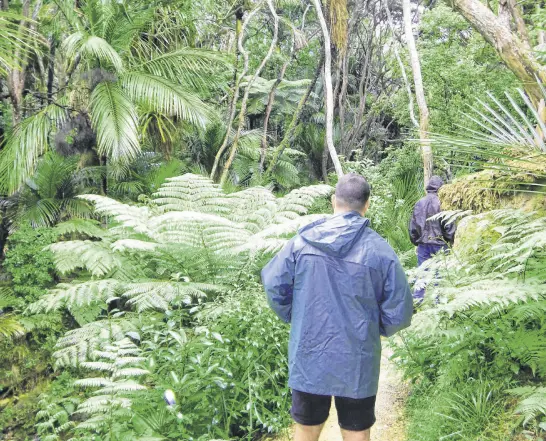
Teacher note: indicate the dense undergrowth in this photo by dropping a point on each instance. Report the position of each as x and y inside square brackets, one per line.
[166, 295]
[163, 295]
[477, 359]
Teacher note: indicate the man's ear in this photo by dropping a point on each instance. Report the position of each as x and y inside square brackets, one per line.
[366, 207]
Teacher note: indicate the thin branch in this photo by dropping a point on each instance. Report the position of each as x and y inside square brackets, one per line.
[329, 92]
[236, 91]
[402, 68]
[242, 112]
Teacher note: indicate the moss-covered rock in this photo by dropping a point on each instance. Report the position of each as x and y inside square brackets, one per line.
[516, 184]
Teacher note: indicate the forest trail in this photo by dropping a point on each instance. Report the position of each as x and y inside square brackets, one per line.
[389, 408]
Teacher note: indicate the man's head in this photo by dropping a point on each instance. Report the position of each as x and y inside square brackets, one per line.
[352, 194]
[434, 184]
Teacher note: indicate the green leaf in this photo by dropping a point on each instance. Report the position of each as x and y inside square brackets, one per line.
[114, 118]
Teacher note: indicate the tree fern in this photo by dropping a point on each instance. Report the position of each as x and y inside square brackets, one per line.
[118, 363]
[489, 314]
[533, 402]
[9, 325]
[80, 344]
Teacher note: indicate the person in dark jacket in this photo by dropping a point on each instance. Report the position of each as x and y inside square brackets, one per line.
[341, 287]
[429, 236]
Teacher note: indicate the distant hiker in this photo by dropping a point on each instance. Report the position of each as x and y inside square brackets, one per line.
[341, 287]
[430, 236]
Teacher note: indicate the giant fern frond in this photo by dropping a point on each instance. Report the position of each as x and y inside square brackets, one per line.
[533, 402]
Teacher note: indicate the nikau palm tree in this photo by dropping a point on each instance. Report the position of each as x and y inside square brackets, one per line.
[119, 80]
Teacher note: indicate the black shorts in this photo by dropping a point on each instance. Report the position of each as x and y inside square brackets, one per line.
[313, 410]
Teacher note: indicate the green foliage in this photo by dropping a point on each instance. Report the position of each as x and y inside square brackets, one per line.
[489, 322]
[168, 292]
[50, 196]
[29, 265]
[396, 185]
[229, 374]
[458, 66]
[124, 81]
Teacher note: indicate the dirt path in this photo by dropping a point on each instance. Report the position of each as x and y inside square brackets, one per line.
[389, 408]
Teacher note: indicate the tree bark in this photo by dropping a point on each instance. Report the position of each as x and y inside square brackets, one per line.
[503, 13]
[51, 70]
[513, 51]
[402, 69]
[520, 23]
[16, 76]
[240, 32]
[324, 164]
[426, 150]
[242, 112]
[270, 101]
[329, 92]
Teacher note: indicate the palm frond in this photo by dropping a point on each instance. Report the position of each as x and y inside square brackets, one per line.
[115, 120]
[187, 66]
[22, 149]
[165, 96]
[92, 47]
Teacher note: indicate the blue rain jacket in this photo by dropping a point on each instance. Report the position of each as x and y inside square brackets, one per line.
[340, 286]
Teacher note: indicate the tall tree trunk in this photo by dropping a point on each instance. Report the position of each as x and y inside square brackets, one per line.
[240, 27]
[4, 228]
[517, 56]
[426, 150]
[288, 137]
[520, 23]
[402, 68]
[51, 70]
[16, 75]
[268, 109]
[341, 100]
[324, 163]
[242, 111]
[329, 98]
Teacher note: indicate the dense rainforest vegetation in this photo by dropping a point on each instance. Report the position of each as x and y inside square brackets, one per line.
[155, 154]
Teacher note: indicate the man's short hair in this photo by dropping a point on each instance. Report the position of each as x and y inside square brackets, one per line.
[353, 191]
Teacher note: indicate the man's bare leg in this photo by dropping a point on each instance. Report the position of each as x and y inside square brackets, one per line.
[307, 433]
[349, 435]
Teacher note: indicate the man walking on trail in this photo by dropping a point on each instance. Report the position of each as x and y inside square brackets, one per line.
[341, 287]
[430, 236]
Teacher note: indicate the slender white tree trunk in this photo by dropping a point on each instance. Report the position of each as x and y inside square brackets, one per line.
[402, 67]
[329, 99]
[426, 150]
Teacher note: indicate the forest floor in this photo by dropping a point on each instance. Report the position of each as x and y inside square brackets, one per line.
[389, 408]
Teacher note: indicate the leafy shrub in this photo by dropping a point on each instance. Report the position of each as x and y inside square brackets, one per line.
[489, 322]
[29, 265]
[179, 278]
[229, 374]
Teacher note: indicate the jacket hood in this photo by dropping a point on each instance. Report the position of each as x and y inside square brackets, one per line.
[434, 184]
[336, 235]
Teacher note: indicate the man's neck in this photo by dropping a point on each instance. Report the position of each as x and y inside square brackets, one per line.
[346, 210]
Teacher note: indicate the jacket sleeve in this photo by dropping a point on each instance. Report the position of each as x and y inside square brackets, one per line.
[396, 307]
[278, 281]
[417, 223]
